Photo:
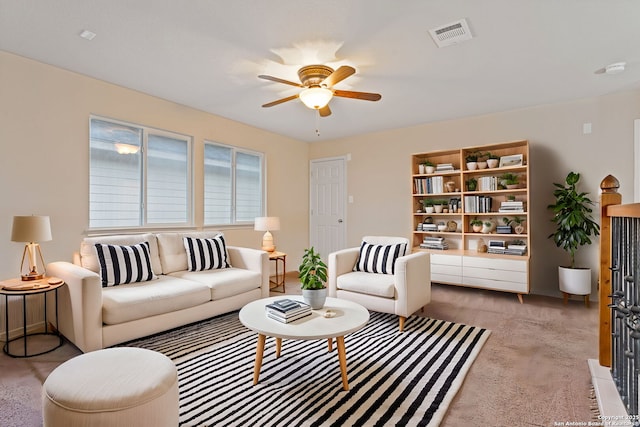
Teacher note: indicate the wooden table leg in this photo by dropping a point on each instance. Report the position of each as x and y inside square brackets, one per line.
[259, 353]
[342, 356]
[278, 346]
[330, 344]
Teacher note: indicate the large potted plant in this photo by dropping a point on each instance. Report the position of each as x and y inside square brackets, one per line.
[313, 276]
[574, 228]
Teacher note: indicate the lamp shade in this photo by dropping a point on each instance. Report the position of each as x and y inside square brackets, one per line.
[267, 223]
[315, 97]
[32, 228]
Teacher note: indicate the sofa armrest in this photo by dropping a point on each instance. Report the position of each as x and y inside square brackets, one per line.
[254, 260]
[413, 282]
[339, 263]
[79, 305]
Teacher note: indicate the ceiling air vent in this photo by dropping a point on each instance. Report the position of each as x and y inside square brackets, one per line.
[453, 33]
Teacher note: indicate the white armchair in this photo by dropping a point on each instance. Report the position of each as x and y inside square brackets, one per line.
[403, 292]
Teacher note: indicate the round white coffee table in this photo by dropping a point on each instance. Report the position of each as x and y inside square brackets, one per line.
[349, 317]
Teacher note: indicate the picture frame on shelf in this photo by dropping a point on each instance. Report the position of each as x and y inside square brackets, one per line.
[511, 160]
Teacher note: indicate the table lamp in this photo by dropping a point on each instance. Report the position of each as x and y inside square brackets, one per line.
[31, 230]
[268, 224]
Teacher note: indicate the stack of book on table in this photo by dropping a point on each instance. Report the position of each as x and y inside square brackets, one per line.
[287, 310]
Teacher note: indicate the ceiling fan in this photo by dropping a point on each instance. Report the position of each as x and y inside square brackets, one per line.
[317, 82]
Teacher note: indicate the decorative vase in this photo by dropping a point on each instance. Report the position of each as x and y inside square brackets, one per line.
[487, 227]
[430, 169]
[519, 228]
[476, 228]
[451, 186]
[492, 163]
[315, 297]
[472, 166]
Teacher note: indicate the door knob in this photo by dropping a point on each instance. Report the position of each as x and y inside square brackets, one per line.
[339, 221]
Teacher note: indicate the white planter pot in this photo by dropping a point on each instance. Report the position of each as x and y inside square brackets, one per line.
[429, 169]
[429, 209]
[315, 297]
[420, 168]
[574, 281]
[492, 163]
[438, 208]
[472, 166]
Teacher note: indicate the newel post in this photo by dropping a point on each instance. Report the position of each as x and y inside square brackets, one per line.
[608, 196]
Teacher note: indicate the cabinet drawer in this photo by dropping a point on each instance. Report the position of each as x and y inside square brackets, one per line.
[445, 278]
[498, 275]
[446, 259]
[495, 263]
[498, 285]
[446, 269]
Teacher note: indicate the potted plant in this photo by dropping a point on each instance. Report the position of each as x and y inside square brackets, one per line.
[428, 206]
[492, 160]
[472, 184]
[313, 276]
[429, 167]
[476, 225]
[482, 160]
[472, 160]
[439, 205]
[487, 226]
[510, 180]
[574, 228]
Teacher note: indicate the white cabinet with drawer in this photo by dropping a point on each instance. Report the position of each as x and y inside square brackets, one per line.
[446, 268]
[495, 273]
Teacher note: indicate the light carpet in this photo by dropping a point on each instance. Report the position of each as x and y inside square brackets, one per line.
[395, 378]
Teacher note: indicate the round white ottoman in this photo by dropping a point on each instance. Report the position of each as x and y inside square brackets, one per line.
[112, 387]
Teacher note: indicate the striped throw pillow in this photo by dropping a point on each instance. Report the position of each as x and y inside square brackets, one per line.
[206, 254]
[124, 264]
[379, 259]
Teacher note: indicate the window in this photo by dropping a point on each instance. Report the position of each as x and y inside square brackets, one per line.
[138, 176]
[233, 185]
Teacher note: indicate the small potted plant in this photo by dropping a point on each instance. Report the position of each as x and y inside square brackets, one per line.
[487, 226]
[492, 160]
[428, 206]
[519, 224]
[510, 180]
[313, 276]
[476, 225]
[439, 205]
[574, 228]
[472, 160]
[482, 160]
[429, 167]
[472, 184]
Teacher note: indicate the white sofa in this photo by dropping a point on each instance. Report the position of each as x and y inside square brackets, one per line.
[94, 317]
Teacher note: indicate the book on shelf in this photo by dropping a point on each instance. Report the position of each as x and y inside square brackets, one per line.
[443, 246]
[510, 210]
[477, 204]
[442, 167]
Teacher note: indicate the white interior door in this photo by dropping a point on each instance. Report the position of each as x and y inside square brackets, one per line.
[328, 193]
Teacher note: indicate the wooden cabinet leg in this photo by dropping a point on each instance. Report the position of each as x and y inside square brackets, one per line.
[521, 298]
[565, 298]
[586, 300]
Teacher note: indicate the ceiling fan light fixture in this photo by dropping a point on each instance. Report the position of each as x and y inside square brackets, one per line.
[316, 97]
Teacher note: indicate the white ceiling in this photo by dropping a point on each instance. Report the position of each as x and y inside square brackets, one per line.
[207, 54]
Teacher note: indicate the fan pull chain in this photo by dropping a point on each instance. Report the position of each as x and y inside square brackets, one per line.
[318, 123]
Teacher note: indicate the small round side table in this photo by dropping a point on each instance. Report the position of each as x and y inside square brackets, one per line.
[18, 288]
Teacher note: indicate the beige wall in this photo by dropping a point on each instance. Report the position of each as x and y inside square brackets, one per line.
[44, 128]
[379, 171]
[44, 115]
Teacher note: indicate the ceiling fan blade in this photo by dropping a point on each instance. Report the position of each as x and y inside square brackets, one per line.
[278, 80]
[280, 101]
[338, 75]
[325, 111]
[367, 96]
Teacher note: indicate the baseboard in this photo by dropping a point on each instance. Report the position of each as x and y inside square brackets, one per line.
[18, 332]
[609, 402]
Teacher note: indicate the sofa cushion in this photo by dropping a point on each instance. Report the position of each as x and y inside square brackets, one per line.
[124, 264]
[375, 258]
[225, 282]
[206, 254]
[381, 285]
[140, 300]
[173, 255]
[89, 256]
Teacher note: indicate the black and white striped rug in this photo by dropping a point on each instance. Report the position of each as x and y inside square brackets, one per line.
[395, 378]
